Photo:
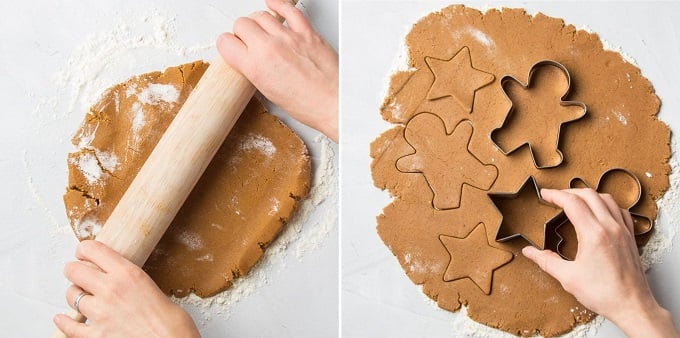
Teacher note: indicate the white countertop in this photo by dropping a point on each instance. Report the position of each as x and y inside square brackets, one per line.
[378, 299]
[294, 294]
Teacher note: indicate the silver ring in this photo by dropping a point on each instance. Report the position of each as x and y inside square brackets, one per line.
[78, 298]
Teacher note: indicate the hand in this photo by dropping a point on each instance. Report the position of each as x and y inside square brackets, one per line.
[292, 66]
[606, 276]
[121, 300]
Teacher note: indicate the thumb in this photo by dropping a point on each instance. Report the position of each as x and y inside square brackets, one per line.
[548, 261]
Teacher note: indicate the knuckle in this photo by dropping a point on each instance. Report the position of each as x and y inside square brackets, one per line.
[240, 24]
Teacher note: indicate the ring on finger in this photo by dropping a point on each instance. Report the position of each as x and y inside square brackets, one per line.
[76, 302]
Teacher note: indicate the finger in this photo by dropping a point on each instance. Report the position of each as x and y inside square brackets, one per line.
[269, 23]
[249, 32]
[86, 276]
[614, 209]
[70, 327]
[107, 259]
[548, 261]
[295, 19]
[595, 201]
[233, 51]
[576, 209]
[85, 304]
[628, 220]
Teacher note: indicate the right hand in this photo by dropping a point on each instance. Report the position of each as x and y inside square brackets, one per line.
[606, 276]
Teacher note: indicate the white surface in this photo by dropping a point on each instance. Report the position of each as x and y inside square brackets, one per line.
[299, 298]
[377, 297]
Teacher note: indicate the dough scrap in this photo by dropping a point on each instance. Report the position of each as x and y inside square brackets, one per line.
[237, 208]
[620, 130]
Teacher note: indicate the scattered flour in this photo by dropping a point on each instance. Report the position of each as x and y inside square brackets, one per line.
[89, 166]
[275, 206]
[138, 120]
[260, 143]
[191, 240]
[481, 37]
[157, 93]
[88, 227]
[622, 118]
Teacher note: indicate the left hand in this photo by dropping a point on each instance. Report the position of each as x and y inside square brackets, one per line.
[121, 299]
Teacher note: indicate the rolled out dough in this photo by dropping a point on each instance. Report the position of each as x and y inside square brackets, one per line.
[620, 130]
[237, 208]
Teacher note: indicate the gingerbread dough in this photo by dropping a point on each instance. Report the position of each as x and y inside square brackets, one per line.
[238, 206]
[619, 130]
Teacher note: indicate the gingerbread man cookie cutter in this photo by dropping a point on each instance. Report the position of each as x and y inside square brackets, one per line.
[505, 79]
[637, 217]
[551, 222]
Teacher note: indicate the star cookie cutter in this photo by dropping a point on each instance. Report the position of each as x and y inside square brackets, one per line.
[562, 102]
[552, 221]
[637, 217]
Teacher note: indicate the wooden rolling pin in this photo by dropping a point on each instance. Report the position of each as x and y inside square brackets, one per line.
[177, 162]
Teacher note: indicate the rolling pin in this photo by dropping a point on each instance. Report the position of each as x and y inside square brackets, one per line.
[164, 182]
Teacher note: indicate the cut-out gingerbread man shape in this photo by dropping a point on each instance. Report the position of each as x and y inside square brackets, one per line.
[525, 214]
[444, 159]
[457, 77]
[537, 113]
[474, 248]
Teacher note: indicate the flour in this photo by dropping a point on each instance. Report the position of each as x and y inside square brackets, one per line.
[89, 166]
[260, 143]
[191, 240]
[665, 230]
[156, 93]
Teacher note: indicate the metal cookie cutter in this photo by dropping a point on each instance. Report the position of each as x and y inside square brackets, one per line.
[637, 218]
[563, 103]
[529, 183]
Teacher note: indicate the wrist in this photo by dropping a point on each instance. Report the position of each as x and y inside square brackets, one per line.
[645, 318]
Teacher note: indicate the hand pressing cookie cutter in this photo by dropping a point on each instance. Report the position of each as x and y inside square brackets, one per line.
[563, 103]
[636, 216]
[553, 221]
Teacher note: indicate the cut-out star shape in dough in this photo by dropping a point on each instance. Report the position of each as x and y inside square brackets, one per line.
[474, 248]
[524, 214]
[457, 77]
[444, 159]
[538, 113]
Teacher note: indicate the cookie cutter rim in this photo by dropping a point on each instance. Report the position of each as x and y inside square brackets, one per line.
[467, 149]
[564, 219]
[563, 103]
[511, 195]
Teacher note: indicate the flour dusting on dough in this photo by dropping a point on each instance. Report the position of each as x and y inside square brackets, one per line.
[89, 166]
[622, 118]
[156, 93]
[260, 143]
[191, 240]
[480, 37]
[108, 161]
[88, 228]
[138, 119]
[275, 206]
